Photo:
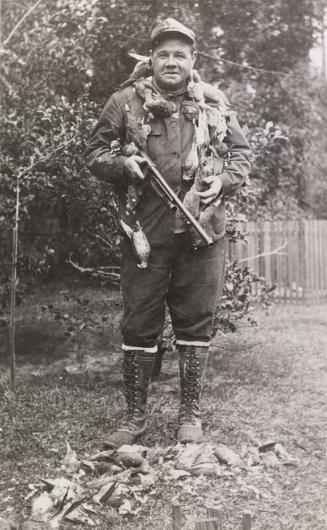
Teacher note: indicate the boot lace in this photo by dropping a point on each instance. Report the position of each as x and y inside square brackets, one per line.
[130, 381]
[191, 389]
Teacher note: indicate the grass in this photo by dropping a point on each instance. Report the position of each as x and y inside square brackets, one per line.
[69, 388]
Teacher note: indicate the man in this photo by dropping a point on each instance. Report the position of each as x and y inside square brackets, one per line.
[198, 146]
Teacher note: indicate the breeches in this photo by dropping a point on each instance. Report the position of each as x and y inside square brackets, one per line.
[190, 281]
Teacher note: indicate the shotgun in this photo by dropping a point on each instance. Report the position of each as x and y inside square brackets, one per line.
[159, 183]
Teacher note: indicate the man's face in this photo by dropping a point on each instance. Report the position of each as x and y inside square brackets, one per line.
[172, 61]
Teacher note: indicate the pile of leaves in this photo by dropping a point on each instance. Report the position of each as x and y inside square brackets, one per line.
[126, 479]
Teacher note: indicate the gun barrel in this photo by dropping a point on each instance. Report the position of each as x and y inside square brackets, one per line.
[175, 199]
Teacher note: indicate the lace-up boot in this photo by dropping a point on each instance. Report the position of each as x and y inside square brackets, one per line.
[137, 369]
[192, 366]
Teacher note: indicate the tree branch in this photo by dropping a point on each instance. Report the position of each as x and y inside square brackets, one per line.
[34, 164]
[248, 67]
[98, 236]
[276, 251]
[20, 22]
[91, 269]
[104, 273]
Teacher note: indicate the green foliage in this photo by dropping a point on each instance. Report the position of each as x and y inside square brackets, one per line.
[276, 36]
[66, 59]
[45, 79]
[243, 291]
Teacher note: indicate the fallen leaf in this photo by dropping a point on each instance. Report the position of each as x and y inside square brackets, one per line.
[155, 454]
[131, 459]
[89, 465]
[284, 456]
[48, 483]
[144, 468]
[79, 516]
[188, 454]
[253, 457]
[102, 481]
[72, 506]
[124, 476]
[131, 456]
[139, 498]
[198, 459]
[89, 508]
[127, 508]
[115, 501]
[103, 467]
[227, 455]
[270, 460]
[63, 487]
[178, 473]
[70, 463]
[41, 507]
[267, 447]
[106, 491]
[148, 479]
[103, 455]
[34, 490]
[62, 511]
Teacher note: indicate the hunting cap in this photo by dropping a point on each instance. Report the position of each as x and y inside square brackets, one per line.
[170, 25]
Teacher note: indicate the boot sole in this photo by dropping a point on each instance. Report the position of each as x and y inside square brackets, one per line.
[134, 436]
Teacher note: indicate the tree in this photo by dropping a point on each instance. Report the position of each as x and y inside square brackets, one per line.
[68, 56]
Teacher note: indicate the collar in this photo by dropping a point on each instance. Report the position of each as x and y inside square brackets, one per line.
[170, 94]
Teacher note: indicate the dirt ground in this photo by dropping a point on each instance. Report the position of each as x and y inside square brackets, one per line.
[265, 383]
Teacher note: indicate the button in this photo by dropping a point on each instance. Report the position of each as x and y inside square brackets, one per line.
[173, 124]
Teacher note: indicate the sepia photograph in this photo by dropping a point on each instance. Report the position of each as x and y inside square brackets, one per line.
[163, 264]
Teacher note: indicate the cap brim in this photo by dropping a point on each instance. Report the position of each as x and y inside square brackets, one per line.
[174, 31]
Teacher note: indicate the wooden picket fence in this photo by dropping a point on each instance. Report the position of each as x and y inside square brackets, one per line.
[292, 255]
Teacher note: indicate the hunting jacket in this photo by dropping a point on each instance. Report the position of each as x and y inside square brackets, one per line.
[168, 145]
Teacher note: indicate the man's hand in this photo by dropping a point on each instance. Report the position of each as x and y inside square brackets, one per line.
[132, 167]
[214, 187]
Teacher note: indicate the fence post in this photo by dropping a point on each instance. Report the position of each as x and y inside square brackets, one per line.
[322, 260]
[302, 259]
[246, 521]
[324, 256]
[301, 275]
[177, 516]
[215, 513]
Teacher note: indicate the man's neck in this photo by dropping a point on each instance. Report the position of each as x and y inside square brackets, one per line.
[166, 92]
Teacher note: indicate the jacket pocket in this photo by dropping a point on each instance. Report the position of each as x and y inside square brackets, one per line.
[156, 129]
